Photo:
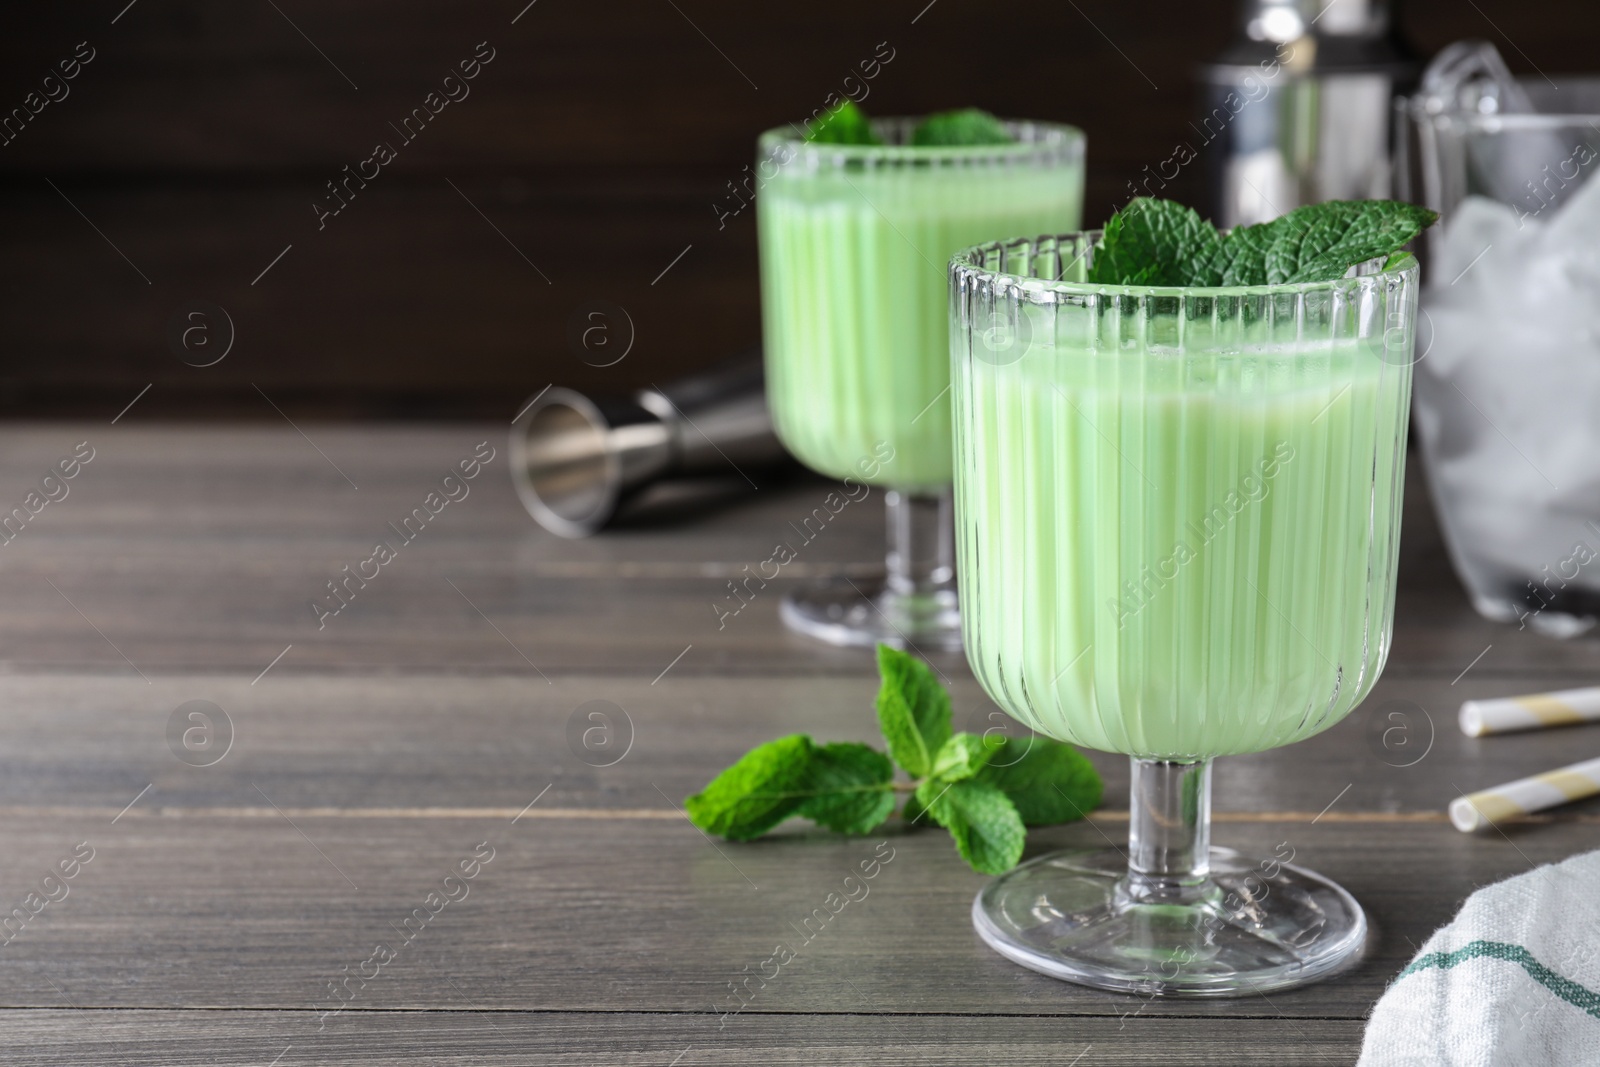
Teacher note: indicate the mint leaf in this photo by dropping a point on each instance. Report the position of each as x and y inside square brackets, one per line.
[1241, 258]
[851, 787]
[1304, 234]
[1155, 242]
[1047, 781]
[988, 831]
[844, 786]
[765, 787]
[968, 126]
[961, 757]
[913, 710]
[1323, 241]
[843, 124]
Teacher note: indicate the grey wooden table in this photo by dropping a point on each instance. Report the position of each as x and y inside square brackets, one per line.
[232, 913]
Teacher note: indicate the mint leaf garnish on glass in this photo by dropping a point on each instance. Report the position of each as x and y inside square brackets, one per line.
[845, 123]
[1322, 241]
[1154, 242]
[984, 791]
[968, 126]
[1159, 242]
[1241, 259]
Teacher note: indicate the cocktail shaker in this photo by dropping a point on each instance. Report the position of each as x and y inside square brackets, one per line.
[575, 460]
[1300, 108]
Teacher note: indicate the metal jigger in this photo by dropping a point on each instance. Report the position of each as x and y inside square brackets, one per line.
[576, 461]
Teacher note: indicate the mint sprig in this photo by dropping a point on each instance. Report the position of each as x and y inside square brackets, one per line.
[984, 791]
[1160, 242]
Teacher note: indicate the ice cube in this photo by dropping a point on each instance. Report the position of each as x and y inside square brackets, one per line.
[1471, 233]
[1571, 241]
[1579, 217]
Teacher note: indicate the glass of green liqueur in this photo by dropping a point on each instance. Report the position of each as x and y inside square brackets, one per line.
[1177, 515]
[854, 241]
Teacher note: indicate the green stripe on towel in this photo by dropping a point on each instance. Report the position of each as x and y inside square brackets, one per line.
[1586, 1000]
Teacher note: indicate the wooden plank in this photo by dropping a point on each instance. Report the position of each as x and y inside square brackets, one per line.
[205, 553]
[471, 1038]
[622, 915]
[409, 298]
[181, 88]
[646, 86]
[211, 618]
[413, 743]
[160, 499]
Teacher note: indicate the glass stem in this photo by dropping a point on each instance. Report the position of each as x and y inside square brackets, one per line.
[1169, 832]
[921, 532]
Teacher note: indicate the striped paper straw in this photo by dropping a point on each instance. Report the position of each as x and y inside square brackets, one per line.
[1548, 790]
[1480, 717]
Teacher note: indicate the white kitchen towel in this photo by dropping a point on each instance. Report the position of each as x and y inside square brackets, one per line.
[1513, 981]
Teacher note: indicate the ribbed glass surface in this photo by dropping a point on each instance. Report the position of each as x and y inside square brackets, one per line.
[854, 245]
[1177, 511]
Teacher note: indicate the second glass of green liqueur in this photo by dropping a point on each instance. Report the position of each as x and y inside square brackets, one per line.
[1178, 518]
[855, 234]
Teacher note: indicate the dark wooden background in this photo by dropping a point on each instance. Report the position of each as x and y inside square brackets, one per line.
[597, 142]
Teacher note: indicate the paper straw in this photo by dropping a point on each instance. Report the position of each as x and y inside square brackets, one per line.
[1480, 717]
[1551, 789]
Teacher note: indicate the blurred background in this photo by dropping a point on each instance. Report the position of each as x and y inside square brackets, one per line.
[595, 161]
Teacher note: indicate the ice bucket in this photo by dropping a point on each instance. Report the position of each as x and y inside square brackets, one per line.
[1507, 380]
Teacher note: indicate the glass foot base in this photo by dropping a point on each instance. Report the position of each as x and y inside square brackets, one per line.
[863, 613]
[1263, 925]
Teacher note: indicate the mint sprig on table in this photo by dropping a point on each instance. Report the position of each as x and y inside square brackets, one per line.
[985, 791]
[1161, 242]
[846, 123]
